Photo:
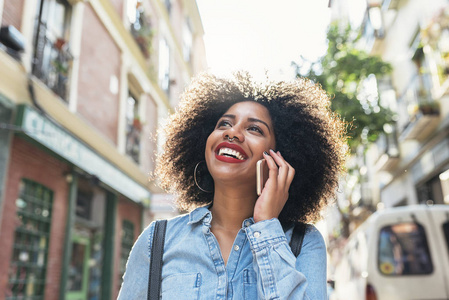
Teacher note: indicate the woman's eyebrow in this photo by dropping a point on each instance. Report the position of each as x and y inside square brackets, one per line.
[260, 121]
[228, 116]
[249, 119]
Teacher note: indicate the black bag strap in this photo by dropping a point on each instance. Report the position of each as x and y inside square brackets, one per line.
[157, 250]
[297, 237]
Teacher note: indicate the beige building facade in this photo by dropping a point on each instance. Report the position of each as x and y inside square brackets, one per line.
[410, 164]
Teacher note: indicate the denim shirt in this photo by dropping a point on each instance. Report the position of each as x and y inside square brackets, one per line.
[260, 265]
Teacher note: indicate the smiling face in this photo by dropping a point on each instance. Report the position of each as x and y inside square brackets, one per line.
[250, 123]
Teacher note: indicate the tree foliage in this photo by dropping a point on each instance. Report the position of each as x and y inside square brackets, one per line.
[344, 72]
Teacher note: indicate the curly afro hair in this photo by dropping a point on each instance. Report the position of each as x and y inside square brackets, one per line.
[308, 134]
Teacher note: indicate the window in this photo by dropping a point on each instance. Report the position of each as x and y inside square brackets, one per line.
[164, 66]
[168, 6]
[436, 34]
[403, 250]
[187, 39]
[52, 57]
[84, 204]
[29, 260]
[430, 191]
[424, 80]
[133, 127]
[126, 245]
[418, 95]
[140, 26]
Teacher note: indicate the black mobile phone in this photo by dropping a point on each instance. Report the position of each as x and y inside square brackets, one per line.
[261, 175]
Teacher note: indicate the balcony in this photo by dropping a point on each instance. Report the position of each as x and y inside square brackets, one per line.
[388, 149]
[52, 62]
[423, 110]
[142, 31]
[423, 122]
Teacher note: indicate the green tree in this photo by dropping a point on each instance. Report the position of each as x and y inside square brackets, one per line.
[344, 72]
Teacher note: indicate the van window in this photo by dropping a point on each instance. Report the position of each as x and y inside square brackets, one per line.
[403, 250]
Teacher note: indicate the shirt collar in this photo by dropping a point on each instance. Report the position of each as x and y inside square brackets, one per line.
[199, 214]
[203, 212]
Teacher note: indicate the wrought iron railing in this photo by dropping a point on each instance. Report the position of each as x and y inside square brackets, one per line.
[419, 97]
[142, 33]
[52, 62]
[133, 136]
[388, 144]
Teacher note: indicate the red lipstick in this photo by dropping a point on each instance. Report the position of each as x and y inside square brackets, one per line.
[229, 159]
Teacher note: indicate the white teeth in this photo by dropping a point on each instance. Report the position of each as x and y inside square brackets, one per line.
[231, 152]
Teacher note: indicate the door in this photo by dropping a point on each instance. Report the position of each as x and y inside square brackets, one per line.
[78, 273]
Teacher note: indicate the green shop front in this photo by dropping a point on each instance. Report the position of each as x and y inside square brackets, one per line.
[69, 216]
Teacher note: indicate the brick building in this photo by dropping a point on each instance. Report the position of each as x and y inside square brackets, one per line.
[84, 85]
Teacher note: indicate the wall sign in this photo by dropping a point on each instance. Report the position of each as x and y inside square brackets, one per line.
[70, 148]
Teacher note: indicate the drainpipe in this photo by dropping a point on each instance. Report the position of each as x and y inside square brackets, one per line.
[107, 276]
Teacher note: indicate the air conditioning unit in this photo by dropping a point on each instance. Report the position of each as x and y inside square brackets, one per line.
[12, 38]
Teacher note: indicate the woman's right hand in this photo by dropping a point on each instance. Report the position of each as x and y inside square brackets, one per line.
[275, 192]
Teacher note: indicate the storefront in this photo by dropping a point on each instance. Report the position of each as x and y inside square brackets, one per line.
[426, 181]
[69, 216]
[428, 174]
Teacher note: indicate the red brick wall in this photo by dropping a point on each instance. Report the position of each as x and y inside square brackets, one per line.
[177, 19]
[30, 162]
[100, 59]
[12, 13]
[126, 210]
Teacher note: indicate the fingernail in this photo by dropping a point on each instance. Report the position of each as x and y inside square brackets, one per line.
[272, 150]
[279, 153]
[265, 152]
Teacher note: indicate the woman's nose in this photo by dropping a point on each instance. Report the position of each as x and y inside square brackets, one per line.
[233, 134]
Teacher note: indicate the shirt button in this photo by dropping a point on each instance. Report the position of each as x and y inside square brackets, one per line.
[236, 247]
[247, 223]
[256, 234]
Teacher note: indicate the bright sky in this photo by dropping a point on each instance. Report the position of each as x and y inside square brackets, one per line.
[260, 35]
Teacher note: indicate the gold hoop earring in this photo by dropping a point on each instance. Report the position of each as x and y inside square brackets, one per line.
[196, 182]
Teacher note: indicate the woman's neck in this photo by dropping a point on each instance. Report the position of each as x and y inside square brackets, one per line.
[231, 207]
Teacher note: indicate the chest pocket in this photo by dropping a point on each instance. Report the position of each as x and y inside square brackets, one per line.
[249, 284]
[181, 286]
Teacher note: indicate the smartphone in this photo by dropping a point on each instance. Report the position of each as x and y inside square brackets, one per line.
[261, 175]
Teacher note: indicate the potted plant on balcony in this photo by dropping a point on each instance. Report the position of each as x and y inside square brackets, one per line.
[61, 62]
[429, 108]
[137, 125]
[143, 34]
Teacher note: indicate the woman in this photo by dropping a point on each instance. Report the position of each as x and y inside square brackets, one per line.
[232, 244]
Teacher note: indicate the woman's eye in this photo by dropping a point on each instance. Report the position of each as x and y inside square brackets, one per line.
[256, 129]
[223, 123]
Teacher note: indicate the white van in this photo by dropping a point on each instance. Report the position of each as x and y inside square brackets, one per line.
[397, 254]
